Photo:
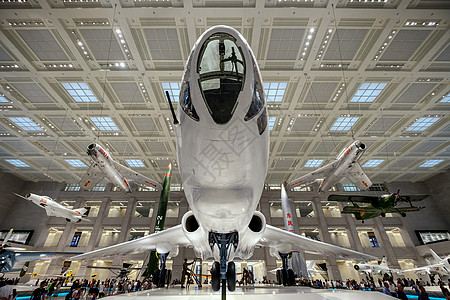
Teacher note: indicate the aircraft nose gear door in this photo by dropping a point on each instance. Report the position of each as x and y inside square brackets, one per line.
[219, 272]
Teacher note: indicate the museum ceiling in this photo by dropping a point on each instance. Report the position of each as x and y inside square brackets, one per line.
[77, 71]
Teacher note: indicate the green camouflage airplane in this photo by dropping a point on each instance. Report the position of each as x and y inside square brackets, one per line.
[377, 205]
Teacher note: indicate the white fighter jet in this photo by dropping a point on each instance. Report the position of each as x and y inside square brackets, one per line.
[54, 209]
[374, 268]
[441, 266]
[345, 165]
[223, 151]
[103, 165]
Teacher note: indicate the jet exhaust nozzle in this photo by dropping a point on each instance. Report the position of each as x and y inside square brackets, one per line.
[356, 267]
[91, 149]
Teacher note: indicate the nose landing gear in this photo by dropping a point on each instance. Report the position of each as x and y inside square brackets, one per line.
[221, 274]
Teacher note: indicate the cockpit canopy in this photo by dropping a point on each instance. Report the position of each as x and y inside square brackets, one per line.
[221, 67]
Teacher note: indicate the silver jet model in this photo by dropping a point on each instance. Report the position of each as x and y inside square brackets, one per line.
[345, 165]
[223, 150]
[121, 176]
[440, 266]
[54, 209]
[381, 269]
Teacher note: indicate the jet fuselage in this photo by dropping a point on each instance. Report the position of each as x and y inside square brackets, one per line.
[345, 161]
[105, 163]
[223, 137]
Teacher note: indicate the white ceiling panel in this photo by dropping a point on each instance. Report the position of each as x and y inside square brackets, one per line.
[65, 124]
[55, 147]
[102, 43]
[415, 92]
[32, 92]
[304, 123]
[156, 147]
[321, 92]
[22, 147]
[43, 45]
[144, 123]
[127, 92]
[292, 147]
[445, 55]
[426, 147]
[345, 44]
[4, 56]
[383, 124]
[285, 43]
[404, 44]
[163, 43]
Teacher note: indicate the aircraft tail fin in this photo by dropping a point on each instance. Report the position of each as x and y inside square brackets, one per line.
[383, 262]
[82, 211]
[311, 264]
[435, 256]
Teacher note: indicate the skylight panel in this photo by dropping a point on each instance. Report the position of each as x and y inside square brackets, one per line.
[104, 123]
[344, 123]
[350, 187]
[173, 88]
[26, 124]
[135, 163]
[3, 99]
[272, 122]
[373, 163]
[80, 92]
[446, 99]
[313, 163]
[367, 92]
[18, 163]
[76, 163]
[422, 123]
[431, 163]
[275, 91]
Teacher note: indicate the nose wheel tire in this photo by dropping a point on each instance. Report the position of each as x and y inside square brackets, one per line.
[215, 276]
[231, 277]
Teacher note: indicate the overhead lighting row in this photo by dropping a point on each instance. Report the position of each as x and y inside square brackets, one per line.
[27, 23]
[339, 92]
[91, 23]
[325, 42]
[123, 42]
[291, 122]
[429, 79]
[14, 1]
[58, 66]
[335, 66]
[144, 92]
[82, 46]
[391, 66]
[385, 44]
[12, 66]
[308, 43]
[421, 23]
[169, 124]
[318, 125]
[75, 1]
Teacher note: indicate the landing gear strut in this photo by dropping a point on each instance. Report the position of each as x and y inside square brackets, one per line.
[220, 274]
[285, 276]
[162, 276]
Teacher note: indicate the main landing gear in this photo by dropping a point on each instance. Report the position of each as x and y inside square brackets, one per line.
[221, 274]
[162, 276]
[285, 276]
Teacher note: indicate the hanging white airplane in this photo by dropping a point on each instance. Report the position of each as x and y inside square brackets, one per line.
[381, 268]
[345, 165]
[103, 165]
[54, 209]
[310, 267]
[441, 266]
[223, 152]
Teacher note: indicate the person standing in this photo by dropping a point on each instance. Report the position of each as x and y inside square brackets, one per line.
[39, 293]
[386, 289]
[185, 272]
[423, 295]
[400, 293]
[6, 291]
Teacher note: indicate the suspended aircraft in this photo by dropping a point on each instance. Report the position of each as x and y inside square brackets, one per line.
[121, 273]
[441, 266]
[377, 205]
[380, 268]
[104, 165]
[54, 209]
[346, 164]
[11, 255]
[311, 269]
[222, 137]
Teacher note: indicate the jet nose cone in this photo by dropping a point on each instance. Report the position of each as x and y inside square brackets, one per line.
[91, 149]
[360, 145]
[28, 195]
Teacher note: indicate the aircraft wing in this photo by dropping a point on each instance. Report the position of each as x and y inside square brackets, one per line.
[403, 209]
[24, 256]
[316, 174]
[350, 198]
[354, 209]
[173, 236]
[136, 177]
[93, 176]
[413, 198]
[282, 240]
[357, 176]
